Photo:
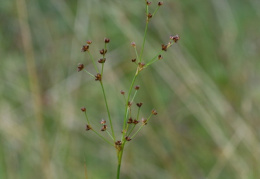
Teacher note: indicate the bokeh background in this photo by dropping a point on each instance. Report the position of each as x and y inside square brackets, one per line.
[206, 89]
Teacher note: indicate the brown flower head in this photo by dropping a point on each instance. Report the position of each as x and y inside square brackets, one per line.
[122, 92]
[102, 60]
[98, 77]
[137, 87]
[175, 38]
[154, 112]
[133, 44]
[88, 127]
[160, 57]
[130, 121]
[103, 122]
[89, 42]
[148, 3]
[80, 67]
[107, 40]
[118, 142]
[134, 60]
[139, 104]
[144, 121]
[103, 51]
[104, 128]
[160, 3]
[149, 16]
[84, 48]
[128, 138]
[135, 121]
[83, 109]
[164, 47]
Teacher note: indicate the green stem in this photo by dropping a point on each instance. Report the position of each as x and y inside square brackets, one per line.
[141, 127]
[102, 137]
[89, 73]
[145, 32]
[119, 157]
[91, 57]
[109, 117]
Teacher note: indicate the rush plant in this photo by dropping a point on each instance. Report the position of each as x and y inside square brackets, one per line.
[132, 123]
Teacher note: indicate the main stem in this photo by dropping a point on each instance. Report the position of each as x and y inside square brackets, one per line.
[119, 157]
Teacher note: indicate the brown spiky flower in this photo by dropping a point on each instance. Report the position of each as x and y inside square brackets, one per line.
[139, 104]
[104, 128]
[107, 40]
[84, 48]
[98, 77]
[88, 127]
[154, 112]
[83, 109]
[80, 67]
[175, 38]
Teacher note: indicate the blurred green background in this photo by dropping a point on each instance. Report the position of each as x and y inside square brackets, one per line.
[206, 89]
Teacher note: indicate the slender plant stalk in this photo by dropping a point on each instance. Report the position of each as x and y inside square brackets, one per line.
[109, 117]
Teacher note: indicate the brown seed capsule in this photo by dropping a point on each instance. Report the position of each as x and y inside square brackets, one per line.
[133, 44]
[139, 104]
[135, 121]
[89, 42]
[137, 87]
[88, 127]
[128, 138]
[175, 38]
[107, 40]
[144, 121]
[122, 92]
[154, 112]
[134, 60]
[164, 47]
[84, 48]
[83, 109]
[103, 121]
[129, 104]
[103, 51]
[102, 60]
[148, 3]
[160, 3]
[149, 16]
[118, 142]
[141, 66]
[98, 77]
[80, 67]
[130, 121]
[104, 128]
[160, 57]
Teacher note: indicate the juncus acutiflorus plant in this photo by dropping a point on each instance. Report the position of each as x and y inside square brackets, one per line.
[132, 123]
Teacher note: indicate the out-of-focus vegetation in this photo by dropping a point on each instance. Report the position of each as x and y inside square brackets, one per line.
[206, 89]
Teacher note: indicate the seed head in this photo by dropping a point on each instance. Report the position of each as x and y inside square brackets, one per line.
[160, 3]
[89, 42]
[84, 48]
[104, 128]
[175, 38]
[160, 57]
[133, 44]
[122, 92]
[128, 138]
[148, 3]
[164, 47]
[103, 51]
[107, 40]
[139, 104]
[135, 121]
[129, 104]
[137, 87]
[80, 67]
[98, 77]
[118, 142]
[130, 121]
[88, 127]
[102, 60]
[144, 121]
[134, 60]
[83, 109]
[103, 122]
[149, 16]
[154, 112]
